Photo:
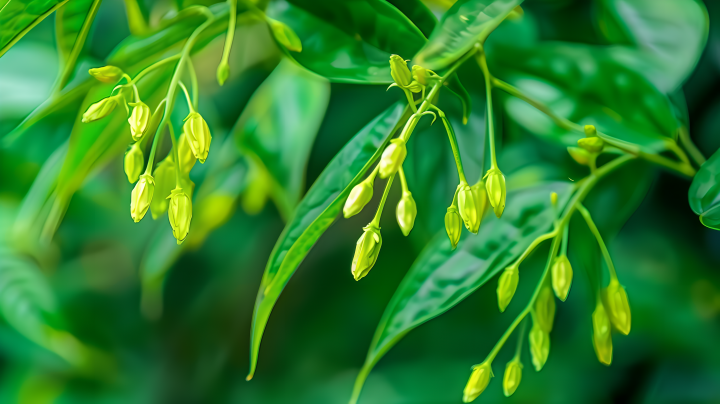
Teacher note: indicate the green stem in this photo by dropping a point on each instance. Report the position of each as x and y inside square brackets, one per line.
[410, 99]
[403, 181]
[77, 47]
[194, 82]
[565, 240]
[482, 61]
[156, 139]
[591, 225]
[521, 337]
[692, 150]
[533, 246]
[187, 97]
[154, 66]
[376, 219]
[32, 25]
[230, 32]
[176, 154]
[453, 143]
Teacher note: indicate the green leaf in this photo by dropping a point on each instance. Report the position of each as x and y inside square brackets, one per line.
[279, 124]
[442, 277]
[417, 12]
[317, 211]
[68, 21]
[457, 89]
[666, 37]
[704, 193]
[468, 22]
[348, 41]
[18, 17]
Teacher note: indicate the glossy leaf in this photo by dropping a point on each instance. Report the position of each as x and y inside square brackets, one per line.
[279, 124]
[704, 193]
[348, 41]
[19, 16]
[468, 22]
[317, 211]
[417, 12]
[68, 22]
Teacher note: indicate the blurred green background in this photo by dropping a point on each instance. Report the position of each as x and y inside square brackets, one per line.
[320, 329]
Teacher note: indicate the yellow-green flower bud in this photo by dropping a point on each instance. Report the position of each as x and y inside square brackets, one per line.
[223, 71]
[139, 119]
[141, 197]
[507, 285]
[399, 71]
[481, 203]
[285, 35]
[495, 186]
[478, 382]
[590, 131]
[553, 198]
[198, 135]
[107, 74]
[420, 75]
[366, 251]
[467, 207]
[392, 158]
[539, 346]
[453, 226]
[580, 155]
[187, 157]
[406, 212]
[164, 183]
[360, 195]
[545, 309]
[591, 144]
[180, 213]
[513, 375]
[562, 275]
[134, 162]
[100, 109]
[618, 308]
[602, 339]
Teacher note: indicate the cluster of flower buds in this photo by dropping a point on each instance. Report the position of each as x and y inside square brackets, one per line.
[165, 187]
[588, 148]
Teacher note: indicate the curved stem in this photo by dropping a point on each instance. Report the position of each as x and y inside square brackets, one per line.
[154, 66]
[533, 246]
[77, 47]
[230, 32]
[376, 219]
[453, 143]
[403, 181]
[482, 61]
[591, 225]
[194, 81]
[156, 140]
[187, 96]
[176, 155]
[521, 337]
[410, 99]
[692, 150]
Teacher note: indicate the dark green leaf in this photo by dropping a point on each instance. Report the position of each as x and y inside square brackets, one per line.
[19, 16]
[317, 211]
[704, 194]
[69, 20]
[418, 13]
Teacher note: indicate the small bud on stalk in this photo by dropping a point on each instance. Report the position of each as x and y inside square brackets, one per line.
[399, 71]
[360, 195]
[139, 119]
[198, 135]
[134, 163]
[180, 213]
[618, 308]
[392, 158]
[539, 346]
[481, 203]
[100, 109]
[420, 75]
[545, 309]
[223, 71]
[553, 198]
[285, 35]
[453, 226]
[141, 197]
[602, 339]
[590, 131]
[580, 155]
[591, 144]
[478, 382]
[562, 275]
[512, 377]
[107, 74]
[406, 212]
[366, 251]
[507, 284]
[468, 210]
[495, 186]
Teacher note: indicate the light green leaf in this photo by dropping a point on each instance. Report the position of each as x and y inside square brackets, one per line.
[704, 193]
[68, 21]
[18, 17]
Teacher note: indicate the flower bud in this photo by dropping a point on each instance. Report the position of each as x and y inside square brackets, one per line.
[453, 226]
[478, 382]
[134, 162]
[360, 195]
[198, 135]
[285, 35]
[495, 186]
[399, 71]
[187, 157]
[562, 275]
[553, 198]
[590, 131]
[141, 197]
[164, 183]
[591, 144]
[468, 210]
[602, 339]
[481, 203]
[223, 71]
[100, 109]
[545, 309]
[420, 75]
[366, 251]
[513, 375]
[180, 213]
[406, 212]
[107, 74]
[539, 346]
[392, 158]
[580, 155]
[139, 119]
[507, 284]
[618, 308]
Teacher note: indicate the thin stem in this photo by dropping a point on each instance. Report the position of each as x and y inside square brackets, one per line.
[403, 181]
[154, 66]
[156, 140]
[376, 219]
[482, 61]
[32, 25]
[533, 246]
[591, 225]
[564, 246]
[692, 150]
[77, 47]
[453, 143]
[187, 96]
[521, 337]
[410, 99]
[194, 81]
[230, 32]
[176, 155]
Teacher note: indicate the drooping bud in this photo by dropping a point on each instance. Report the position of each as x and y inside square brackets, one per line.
[618, 308]
[590, 131]
[481, 203]
[495, 186]
[360, 195]
[164, 183]
[139, 119]
[399, 71]
[366, 251]
[507, 285]
[141, 197]
[284, 35]
[539, 346]
[420, 75]
[512, 377]
[467, 207]
[187, 157]
[392, 158]
[134, 162]
[602, 339]
[406, 212]
[580, 155]
[180, 213]
[100, 109]
[223, 71]
[478, 382]
[198, 135]
[591, 144]
[453, 226]
[545, 309]
[107, 74]
[562, 275]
